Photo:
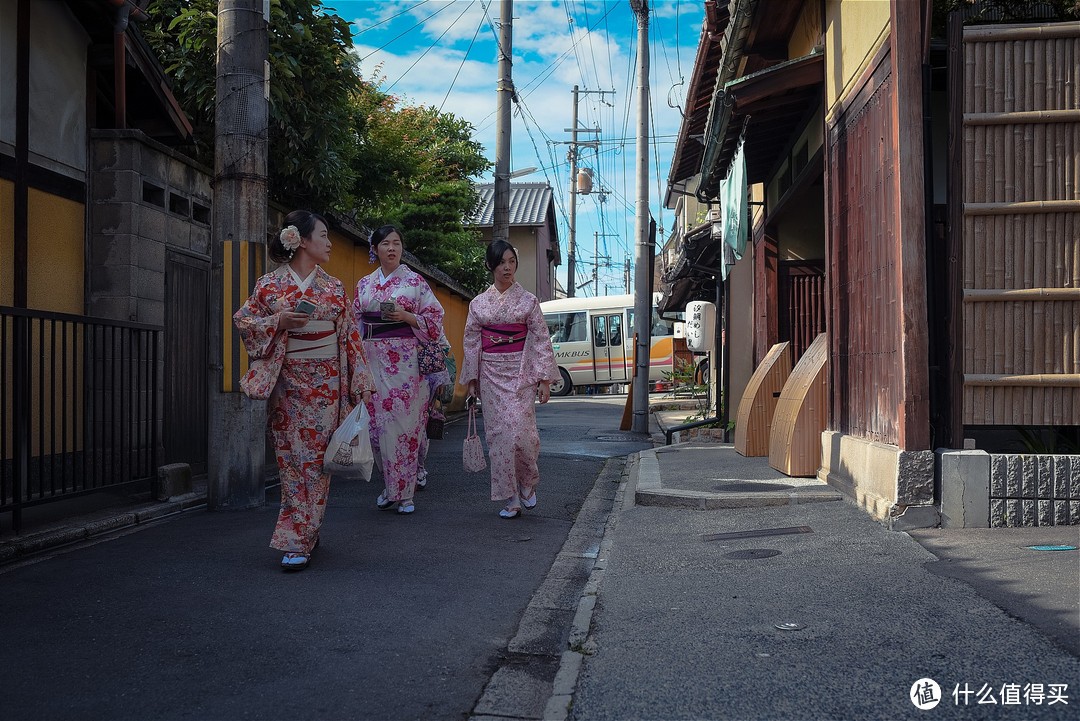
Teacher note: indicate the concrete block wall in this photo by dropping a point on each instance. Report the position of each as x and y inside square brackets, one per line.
[1034, 490]
[144, 199]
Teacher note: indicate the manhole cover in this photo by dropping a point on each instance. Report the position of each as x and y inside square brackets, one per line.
[751, 487]
[752, 553]
[620, 439]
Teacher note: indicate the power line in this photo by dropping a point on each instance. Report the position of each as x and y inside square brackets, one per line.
[429, 47]
[462, 65]
[397, 15]
[397, 37]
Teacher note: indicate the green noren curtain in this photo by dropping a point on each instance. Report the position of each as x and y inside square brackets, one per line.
[733, 202]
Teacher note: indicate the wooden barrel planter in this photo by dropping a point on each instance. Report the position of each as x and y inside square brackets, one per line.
[755, 417]
[801, 413]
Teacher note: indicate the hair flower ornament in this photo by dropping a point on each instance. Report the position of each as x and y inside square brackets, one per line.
[290, 238]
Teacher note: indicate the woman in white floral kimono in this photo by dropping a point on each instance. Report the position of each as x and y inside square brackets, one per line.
[397, 311]
[508, 361]
[307, 359]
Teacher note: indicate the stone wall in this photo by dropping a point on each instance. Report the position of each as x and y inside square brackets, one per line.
[1034, 490]
[144, 199]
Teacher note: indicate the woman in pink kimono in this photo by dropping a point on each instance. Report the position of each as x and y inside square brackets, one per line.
[307, 358]
[397, 311]
[509, 362]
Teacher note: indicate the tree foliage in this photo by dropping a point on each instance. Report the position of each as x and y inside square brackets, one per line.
[337, 142]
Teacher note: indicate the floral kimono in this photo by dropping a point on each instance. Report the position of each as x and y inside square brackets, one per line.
[301, 371]
[399, 407]
[507, 349]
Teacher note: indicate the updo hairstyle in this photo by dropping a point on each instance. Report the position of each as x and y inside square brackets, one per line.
[304, 220]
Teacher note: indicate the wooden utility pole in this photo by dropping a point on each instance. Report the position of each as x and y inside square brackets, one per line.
[501, 218]
[643, 248]
[237, 448]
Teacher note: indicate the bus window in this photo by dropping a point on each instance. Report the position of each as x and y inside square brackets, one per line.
[566, 327]
[661, 327]
[599, 336]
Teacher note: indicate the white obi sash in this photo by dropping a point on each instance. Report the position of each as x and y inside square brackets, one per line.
[315, 340]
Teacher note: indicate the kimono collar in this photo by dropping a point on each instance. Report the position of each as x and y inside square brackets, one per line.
[381, 279]
[303, 283]
[503, 294]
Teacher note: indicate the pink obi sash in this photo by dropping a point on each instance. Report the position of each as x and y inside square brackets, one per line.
[508, 338]
[375, 328]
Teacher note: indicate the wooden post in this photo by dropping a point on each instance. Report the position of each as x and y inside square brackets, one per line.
[907, 17]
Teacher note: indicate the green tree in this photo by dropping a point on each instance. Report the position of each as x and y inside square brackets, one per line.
[336, 141]
[312, 139]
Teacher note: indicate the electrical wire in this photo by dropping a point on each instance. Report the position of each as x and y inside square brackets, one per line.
[406, 32]
[386, 20]
[462, 65]
[429, 47]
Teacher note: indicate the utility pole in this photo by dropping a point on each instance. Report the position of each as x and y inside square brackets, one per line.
[643, 249]
[237, 433]
[501, 216]
[596, 260]
[571, 246]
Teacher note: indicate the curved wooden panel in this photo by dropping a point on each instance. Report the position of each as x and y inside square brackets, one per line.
[801, 412]
[759, 400]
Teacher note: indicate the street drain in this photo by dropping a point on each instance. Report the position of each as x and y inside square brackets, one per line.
[621, 439]
[753, 553]
[757, 533]
[751, 487]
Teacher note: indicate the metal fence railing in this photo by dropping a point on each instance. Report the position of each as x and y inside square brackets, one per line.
[81, 406]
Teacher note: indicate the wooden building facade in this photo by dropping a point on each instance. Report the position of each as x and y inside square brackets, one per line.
[915, 198]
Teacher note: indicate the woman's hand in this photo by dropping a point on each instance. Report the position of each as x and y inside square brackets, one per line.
[366, 397]
[473, 390]
[543, 391]
[291, 320]
[403, 316]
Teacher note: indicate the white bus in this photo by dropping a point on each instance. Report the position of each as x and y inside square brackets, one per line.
[593, 340]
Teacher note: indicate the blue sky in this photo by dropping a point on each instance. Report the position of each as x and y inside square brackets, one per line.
[443, 53]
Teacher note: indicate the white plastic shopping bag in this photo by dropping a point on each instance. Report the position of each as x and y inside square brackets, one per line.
[348, 455]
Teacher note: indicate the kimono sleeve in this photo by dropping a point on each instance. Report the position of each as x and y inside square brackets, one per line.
[538, 358]
[359, 375]
[429, 314]
[470, 355]
[257, 323]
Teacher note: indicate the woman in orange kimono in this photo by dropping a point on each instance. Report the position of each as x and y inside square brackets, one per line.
[308, 360]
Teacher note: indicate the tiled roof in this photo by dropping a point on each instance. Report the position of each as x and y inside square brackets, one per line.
[529, 204]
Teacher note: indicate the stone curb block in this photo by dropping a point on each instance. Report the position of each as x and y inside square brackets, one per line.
[696, 500]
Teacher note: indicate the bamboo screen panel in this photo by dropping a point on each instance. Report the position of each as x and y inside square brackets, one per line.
[1021, 260]
[865, 354]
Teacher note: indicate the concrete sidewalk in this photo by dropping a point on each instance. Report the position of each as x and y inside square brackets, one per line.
[725, 590]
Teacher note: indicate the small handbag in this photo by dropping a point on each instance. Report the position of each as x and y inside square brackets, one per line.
[430, 357]
[472, 455]
[435, 424]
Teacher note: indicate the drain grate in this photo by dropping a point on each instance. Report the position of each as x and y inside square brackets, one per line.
[752, 487]
[759, 533]
[753, 553]
[622, 439]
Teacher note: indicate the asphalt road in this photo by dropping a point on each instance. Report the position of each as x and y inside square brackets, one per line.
[398, 617]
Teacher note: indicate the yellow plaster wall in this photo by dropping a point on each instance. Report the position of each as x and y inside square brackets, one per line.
[7, 241]
[854, 30]
[807, 32]
[349, 263]
[56, 254]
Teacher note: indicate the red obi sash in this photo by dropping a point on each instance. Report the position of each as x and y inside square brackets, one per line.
[508, 338]
[374, 327]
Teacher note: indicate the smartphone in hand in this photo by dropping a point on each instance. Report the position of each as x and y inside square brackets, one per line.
[386, 307]
[305, 306]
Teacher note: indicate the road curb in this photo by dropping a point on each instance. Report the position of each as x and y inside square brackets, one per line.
[84, 529]
[649, 491]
